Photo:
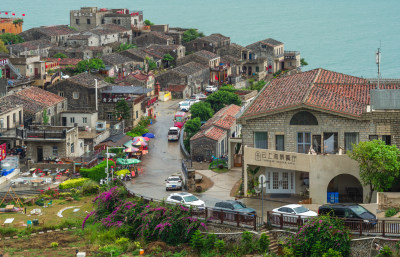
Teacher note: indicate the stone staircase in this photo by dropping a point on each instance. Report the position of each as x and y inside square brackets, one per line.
[273, 245]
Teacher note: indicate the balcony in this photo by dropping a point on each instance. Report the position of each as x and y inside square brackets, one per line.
[45, 135]
[291, 55]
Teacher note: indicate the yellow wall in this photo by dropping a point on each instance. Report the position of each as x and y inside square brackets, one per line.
[8, 26]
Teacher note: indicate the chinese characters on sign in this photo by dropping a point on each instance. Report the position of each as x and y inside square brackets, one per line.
[3, 62]
[3, 152]
[275, 157]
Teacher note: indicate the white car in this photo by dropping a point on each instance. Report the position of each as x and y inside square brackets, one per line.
[211, 89]
[173, 133]
[199, 97]
[186, 199]
[173, 182]
[185, 106]
[184, 101]
[294, 210]
[193, 101]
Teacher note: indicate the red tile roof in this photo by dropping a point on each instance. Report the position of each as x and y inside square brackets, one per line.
[224, 118]
[176, 88]
[41, 96]
[319, 88]
[213, 133]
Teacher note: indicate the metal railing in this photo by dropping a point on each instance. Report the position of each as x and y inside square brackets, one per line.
[232, 218]
[356, 226]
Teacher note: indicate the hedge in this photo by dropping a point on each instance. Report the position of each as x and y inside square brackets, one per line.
[72, 183]
[122, 172]
[97, 172]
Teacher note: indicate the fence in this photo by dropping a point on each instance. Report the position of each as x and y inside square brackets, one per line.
[231, 218]
[356, 226]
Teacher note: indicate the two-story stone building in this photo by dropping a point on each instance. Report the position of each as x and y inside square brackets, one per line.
[210, 43]
[299, 128]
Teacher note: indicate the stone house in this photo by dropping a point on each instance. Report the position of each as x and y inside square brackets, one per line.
[213, 137]
[210, 43]
[274, 52]
[82, 52]
[79, 118]
[193, 74]
[30, 66]
[83, 40]
[139, 55]
[11, 117]
[37, 47]
[57, 35]
[153, 38]
[79, 90]
[123, 65]
[177, 34]
[158, 52]
[110, 33]
[179, 91]
[139, 79]
[299, 128]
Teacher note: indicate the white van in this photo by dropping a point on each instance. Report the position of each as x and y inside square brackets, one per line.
[173, 133]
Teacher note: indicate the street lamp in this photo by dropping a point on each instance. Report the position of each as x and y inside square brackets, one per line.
[112, 167]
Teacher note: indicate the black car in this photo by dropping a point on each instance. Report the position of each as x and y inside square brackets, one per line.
[234, 206]
[348, 211]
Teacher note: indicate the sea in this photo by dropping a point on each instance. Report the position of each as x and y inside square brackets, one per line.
[338, 35]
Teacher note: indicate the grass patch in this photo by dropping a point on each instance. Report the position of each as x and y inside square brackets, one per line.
[220, 170]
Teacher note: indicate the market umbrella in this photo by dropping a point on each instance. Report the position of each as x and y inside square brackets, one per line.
[121, 161]
[131, 150]
[139, 143]
[143, 139]
[135, 161]
[149, 135]
[145, 152]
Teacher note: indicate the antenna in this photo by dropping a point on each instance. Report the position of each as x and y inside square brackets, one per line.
[378, 62]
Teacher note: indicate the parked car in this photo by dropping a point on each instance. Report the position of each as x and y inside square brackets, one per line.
[349, 211]
[173, 182]
[193, 101]
[173, 133]
[199, 97]
[185, 106]
[211, 89]
[186, 199]
[294, 211]
[184, 101]
[234, 206]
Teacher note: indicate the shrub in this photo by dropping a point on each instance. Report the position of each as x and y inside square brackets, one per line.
[90, 187]
[97, 172]
[73, 183]
[263, 243]
[111, 249]
[332, 253]
[247, 243]
[390, 212]
[209, 241]
[220, 246]
[385, 252]
[54, 244]
[197, 241]
[8, 231]
[65, 194]
[329, 231]
[122, 172]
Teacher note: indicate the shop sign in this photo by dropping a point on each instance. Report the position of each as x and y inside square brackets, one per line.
[3, 62]
[275, 158]
[3, 151]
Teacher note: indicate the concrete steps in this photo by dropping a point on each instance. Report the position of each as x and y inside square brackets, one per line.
[273, 244]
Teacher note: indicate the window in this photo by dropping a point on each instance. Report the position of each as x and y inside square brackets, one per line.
[84, 119]
[102, 21]
[72, 148]
[316, 143]
[109, 115]
[75, 95]
[257, 69]
[387, 139]
[88, 21]
[137, 114]
[303, 142]
[55, 150]
[14, 117]
[119, 21]
[49, 112]
[77, 21]
[280, 142]
[261, 140]
[330, 142]
[304, 118]
[20, 117]
[61, 93]
[349, 140]
[222, 147]
[373, 137]
[72, 119]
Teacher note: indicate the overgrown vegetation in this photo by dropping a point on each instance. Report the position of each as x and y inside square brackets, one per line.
[192, 126]
[59, 55]
[11, 39]
[220, 99]
[391, 212]
[257, 85]
[122, 110]
[141, 128]
[201, 110]
[97, 172]
[191, 34]
[72, 183]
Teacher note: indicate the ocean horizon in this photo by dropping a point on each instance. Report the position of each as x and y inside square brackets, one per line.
[337, 35]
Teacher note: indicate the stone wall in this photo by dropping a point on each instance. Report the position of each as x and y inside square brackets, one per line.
[199, 148]
[149, 39]
[86, 98]
[387, 200]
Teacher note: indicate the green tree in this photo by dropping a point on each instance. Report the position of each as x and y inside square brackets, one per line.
[122, 110]
[59, 55]
[125, 46]
[110, 80]
[10, 39]
[45, 117]
[167, 58]
[379, 164]
[228, 88]
[3, 48]
[192, 126]
[257, 85]
[191, 34]
[220, 99]
[303, 62]
[202, 110]
[86, 65]
[148, 22]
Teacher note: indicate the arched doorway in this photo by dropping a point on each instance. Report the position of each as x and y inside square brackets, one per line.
[349, 188]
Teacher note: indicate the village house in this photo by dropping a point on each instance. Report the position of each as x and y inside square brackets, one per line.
[300, 127]
[123, 65]
[274, 52]
[179, 91]
[37, 47]
[80, 90]
[159, 51]
[139, 79]
[140, 56]
[193, 74]
[29, 66]
[83, 52]
[11, 117]
[57, 35]
[177, 34]
[153, 38]
[11, 25]
[212, 139]
[210, 43]
[83, 40]
[89, 17]
[108, 34]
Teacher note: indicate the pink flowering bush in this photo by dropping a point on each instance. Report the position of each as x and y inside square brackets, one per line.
[134, 219]
[328, 232]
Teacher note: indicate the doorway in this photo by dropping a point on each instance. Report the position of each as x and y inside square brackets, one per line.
[39, 151]
[64, 121]
[280, 182]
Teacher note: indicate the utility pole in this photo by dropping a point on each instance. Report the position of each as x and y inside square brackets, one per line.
[378, 62]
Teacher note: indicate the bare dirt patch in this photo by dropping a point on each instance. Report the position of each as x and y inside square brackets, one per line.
[235, 189]
[206, 183]
[200, 165]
